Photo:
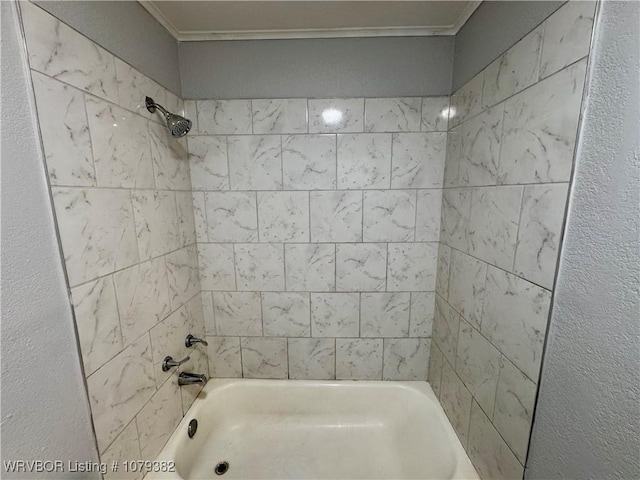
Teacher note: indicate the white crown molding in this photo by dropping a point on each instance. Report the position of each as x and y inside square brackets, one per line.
[201, 36]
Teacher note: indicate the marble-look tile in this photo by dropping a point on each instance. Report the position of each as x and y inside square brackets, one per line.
[62, 53]
[198, 362]
[493, 228]
[127, 381]
[467, 277]
[361, 267]
[310, 267]
[312, 359]
[456, 211]
[389, 215]
[418, 160]
[435, 114]
[335, 314]
[167, 338]
[182, 272]
[159, 418]
[446, 323]
[364, 160]
[359, 359]
[412, 266]
[429, 210]
[186, 219]
[515, 399]
[286, 314]
[65, 132]
[515, 319]
[143, 297]
[120, 142]
[384, 314]
[452, 158]
[466, 102]
[96, 312]
[435, 368]
[217, 269]
[224, 117]
[97, 231]
[134, 87]
[174, 103]
[456, 401]
[406, 359]
[260, 267]
[283, 216]
[124, 448]
[255, 162]
[207, 312]
[237, 313]
[336, 216]
[539, 234]
[200, 216]
[442, 276]
[170, 159]
[208, 163]
[421, 317]
[279, 116]
[567, 36]
[392, 114]
[264, 357]
[232, 216]
[156, 222]
[514, 70]
[309, 162]
[540, 129]
[336, 115]
[191, 112]
[488, 452]
[478, 364]
[224, 357]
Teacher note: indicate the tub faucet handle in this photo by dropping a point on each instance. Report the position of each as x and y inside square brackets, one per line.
[168, 363]
[190, 341]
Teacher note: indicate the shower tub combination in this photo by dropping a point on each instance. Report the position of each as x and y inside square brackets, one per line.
[268, 429]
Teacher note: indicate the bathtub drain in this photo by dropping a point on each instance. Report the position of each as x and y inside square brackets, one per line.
[221, 468]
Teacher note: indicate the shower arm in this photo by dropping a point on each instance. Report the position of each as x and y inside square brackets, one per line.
[151, 106]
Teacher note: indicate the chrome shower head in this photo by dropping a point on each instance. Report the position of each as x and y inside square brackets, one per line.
[178, 126]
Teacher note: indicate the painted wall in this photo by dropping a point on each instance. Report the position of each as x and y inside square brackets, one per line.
[128, 31]
[45, 410]
[587, 421]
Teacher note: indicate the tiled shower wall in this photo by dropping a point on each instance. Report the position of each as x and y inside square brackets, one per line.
[122, 199]
[509, 161]
[317, 223]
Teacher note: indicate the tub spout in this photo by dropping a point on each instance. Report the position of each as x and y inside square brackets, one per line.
[187, 378]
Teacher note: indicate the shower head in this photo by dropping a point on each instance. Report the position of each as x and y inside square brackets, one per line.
[178, 126]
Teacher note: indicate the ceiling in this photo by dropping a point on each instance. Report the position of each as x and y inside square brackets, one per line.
[241, 20]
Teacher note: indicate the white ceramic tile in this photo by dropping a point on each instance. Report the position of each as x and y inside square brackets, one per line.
[200, 217]
[208, 163]
[364, 160]
[186, 218]
[182, 272]
[255, 162]
[336, 216]
[418, 160]
[96, 312]
[175, 104]
[65, 132]
[456, 401]
[312, 359]
[336, 115]
[540, 128]
[264, 357]
[279, 116]
[456, 210]
[224, 117]
[217, 269]
[224, 357]
[359, 359]
[412, 266]
[62, 53]
[207, 312]
[156, 222]
[167, 338]
[134, 87]
[283, 216]
[421, 317]
[392, 114]
[515, 319]
[191, 112]
[465, 103]
[232, 216]
[452, 158]
[435, 114]
[406, 359]
[467, 277]
[446, 323]
[429, 210]
[384, 314]
[389, 215]
[124, 448]
[310, 267]
[335, 314]
[237, 313]
[286, 314]
[170, 159]
[97, 231]
[309, 162]
[260, 267]
[361, 267]
[442, 277]
[435, 368]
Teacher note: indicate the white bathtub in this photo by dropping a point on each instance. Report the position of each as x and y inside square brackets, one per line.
[285, 429]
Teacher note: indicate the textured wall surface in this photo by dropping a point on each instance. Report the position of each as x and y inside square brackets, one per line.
[587, 422]
[45, 409]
